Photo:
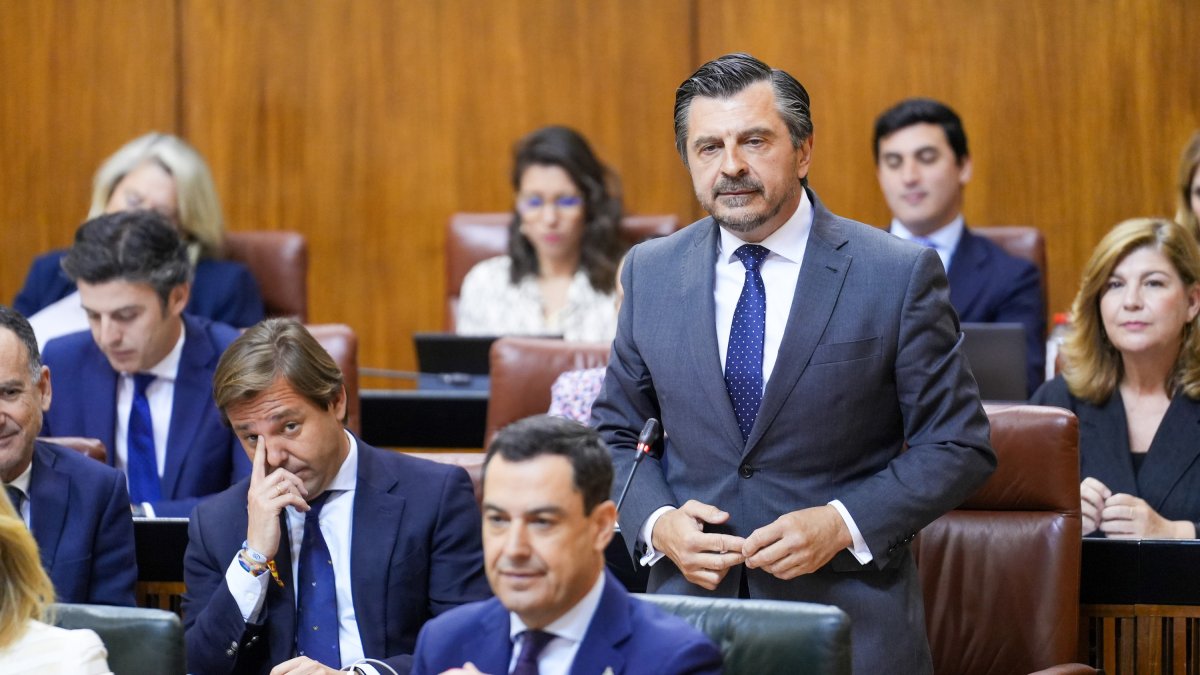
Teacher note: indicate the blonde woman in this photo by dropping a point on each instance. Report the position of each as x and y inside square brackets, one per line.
[162, 173]
[1132, 375]
[27, 643]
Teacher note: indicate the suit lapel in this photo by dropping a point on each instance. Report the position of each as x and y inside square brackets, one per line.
[966, 283]
[371, 547]
[47, 507]
[100, 419]
[492, 637]
[821, 277]
[281, 602]
[609, 628]
[696, 282]
[193, 392]
[1172, 451]
[1104, 429]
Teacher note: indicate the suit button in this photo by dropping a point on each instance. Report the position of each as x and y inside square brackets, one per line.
[745, 471]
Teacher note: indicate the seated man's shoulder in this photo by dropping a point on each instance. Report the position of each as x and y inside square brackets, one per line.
[219, 334]
[75, 462]
[66, 349]
[673, 640]
[230, 500]
[1004, 262]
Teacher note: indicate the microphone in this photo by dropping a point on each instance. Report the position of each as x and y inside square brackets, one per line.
[651, 432]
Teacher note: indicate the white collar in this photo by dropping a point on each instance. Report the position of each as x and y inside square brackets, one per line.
[788, 242]
[945, 238]
[345, 480]
[573, 624]
[21, 482]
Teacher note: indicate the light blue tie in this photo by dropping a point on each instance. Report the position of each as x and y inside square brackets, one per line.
[744, 356]
[142, 467]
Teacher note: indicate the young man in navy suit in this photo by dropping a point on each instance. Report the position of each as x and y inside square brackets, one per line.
[141, 380]
[547, 519]
[923, 166]
[332, 553]
[76, 507]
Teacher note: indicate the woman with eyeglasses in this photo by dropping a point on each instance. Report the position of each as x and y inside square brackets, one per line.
[158, 172]
[559, 276]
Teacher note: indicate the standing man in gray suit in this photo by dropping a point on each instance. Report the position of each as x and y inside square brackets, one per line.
[790, 354]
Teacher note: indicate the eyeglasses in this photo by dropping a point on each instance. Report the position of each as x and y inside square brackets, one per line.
[536, 202]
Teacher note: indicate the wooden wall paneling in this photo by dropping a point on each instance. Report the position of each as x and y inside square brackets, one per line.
[366, 124]
[80, 79]
[1075, 111]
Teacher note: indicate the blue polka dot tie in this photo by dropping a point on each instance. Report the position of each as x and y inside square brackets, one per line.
[744, 356]
[316, 597]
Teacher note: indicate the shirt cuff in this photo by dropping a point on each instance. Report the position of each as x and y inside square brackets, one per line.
[859, 547]
[650, 555]
[362, 666]
[248, 591]
[148, 509]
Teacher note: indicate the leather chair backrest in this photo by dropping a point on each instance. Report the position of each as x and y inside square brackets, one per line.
[342, 344]
[1020, 241]
[768, 636]
[475, 237]
[522, 370]
[138, 640]
[279, 263]
[1000, 574]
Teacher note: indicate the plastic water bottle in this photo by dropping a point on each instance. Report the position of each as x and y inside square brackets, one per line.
[1058, 333]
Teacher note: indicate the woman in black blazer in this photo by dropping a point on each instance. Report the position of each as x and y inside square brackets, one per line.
[1132, 375]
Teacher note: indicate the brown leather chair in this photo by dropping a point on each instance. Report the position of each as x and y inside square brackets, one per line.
[474, 237]
[1021, 241]
[279, 263]
[342, 344]
[522, 370]
[1000, 574]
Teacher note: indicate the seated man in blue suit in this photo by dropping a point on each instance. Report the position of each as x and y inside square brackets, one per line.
[76, 507]
[332, 553]
[923, 166]
[141, 380]
[547, 520]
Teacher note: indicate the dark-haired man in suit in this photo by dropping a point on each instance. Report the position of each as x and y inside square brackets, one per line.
[791, 356]
[77, 508]
[923, 166]
[140, 380]
[547, 520]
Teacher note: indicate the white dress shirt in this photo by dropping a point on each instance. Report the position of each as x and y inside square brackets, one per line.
[161, 395]
[337, 526]
[944, 239]
[558, 655]
[780, 271]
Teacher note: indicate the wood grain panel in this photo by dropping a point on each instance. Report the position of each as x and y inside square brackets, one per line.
[1075, 110]
[80, 79]
[365, 124]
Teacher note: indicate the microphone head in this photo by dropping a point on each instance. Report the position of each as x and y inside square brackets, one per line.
[648, 439]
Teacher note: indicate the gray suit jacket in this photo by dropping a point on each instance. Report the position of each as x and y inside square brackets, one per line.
[871, 360]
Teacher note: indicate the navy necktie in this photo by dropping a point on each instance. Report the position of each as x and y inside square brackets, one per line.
[16, 497]
[744, 355]
[316, 597]
[142, 465]
[531, 647]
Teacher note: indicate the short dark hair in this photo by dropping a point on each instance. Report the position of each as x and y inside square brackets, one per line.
[138, 246]
[19, 325]
[600, 248]
[728, 75]
[271, 349]
[912, 111]
[541, 435]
